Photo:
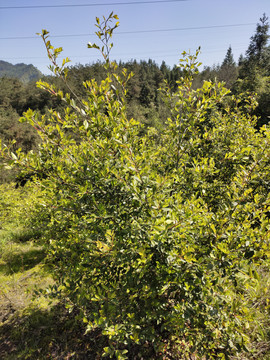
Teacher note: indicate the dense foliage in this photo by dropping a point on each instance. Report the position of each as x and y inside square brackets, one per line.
[154, 237]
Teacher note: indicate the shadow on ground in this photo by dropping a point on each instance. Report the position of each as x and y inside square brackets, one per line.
[47, 334]
[22, 261]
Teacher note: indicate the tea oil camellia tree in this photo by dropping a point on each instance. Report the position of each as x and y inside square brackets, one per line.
[154, 238]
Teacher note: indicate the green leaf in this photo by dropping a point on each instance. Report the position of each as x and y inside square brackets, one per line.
[14, 156]
[92, 46]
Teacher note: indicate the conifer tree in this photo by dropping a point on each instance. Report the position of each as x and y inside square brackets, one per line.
[254, 70]
[258, 41]
[228, 60]
[255, 52]
[228, 71]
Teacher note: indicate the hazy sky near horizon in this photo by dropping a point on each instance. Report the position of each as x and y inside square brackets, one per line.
[154, 29]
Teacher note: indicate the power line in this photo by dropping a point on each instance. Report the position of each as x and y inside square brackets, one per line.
[88, 5]
[181, 29]
[131, 32]
[172, 52]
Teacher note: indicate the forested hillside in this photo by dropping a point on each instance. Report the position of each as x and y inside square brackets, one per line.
[25, 73]
[142, 196]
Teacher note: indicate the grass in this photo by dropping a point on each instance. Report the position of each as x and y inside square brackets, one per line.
[21, 269]
[34, 327]
[259, 298]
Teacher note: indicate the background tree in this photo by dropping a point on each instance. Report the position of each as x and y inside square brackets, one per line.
[252, 64]
[228, 60]
[228, 71]
[259, 40]
[254, 70]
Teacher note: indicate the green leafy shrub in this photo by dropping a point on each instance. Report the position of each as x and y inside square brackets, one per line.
[150, 236]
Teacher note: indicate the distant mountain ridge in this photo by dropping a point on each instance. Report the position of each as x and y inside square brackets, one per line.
[23, 72]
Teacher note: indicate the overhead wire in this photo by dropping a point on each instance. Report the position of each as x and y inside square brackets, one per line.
[157, 54]
[131, 32]
[88, 5]
[117, 32]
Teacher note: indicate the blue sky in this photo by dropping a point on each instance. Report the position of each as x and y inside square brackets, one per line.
[182, 25]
